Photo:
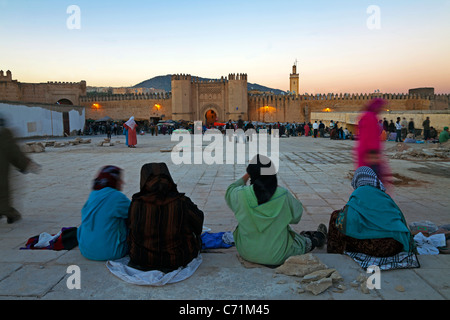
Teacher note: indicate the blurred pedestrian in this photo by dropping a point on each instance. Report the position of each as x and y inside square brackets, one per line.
[426, 129]
[369, 147]
[10, 154]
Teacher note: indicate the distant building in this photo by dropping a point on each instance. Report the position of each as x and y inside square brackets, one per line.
[422, 91]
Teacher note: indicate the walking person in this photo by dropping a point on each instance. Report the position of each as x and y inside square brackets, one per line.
[426, 129]
[369, 147]
[131, 126]
[10, 154]
[398, 129]
[411, 127]
[108, 130]
[315, 128]
[404, 124]
[321, 129]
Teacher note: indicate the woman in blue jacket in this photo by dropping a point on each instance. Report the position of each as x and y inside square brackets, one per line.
[103, 232]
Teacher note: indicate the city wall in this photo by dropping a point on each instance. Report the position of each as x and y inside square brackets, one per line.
[290, 108]
[123, 106]
[48, 93]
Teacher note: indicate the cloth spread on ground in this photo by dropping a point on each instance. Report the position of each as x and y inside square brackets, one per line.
[66, 239]
[217, 240]
[403, 260]
[155, 278]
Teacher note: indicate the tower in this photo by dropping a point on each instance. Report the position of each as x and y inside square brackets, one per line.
[294, 80]
[181, 97]
[237, 96]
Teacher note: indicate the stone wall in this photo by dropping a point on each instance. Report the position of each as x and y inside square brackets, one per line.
[122, 107]
[48, 93]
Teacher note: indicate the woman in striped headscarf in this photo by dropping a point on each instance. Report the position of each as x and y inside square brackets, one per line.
[371, 222]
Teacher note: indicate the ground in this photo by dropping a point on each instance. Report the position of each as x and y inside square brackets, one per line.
[316, 171]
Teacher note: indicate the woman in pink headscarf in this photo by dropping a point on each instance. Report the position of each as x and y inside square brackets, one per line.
[369, 147]
[131, 125]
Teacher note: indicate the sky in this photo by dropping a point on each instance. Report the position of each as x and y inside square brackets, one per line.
[341, 46]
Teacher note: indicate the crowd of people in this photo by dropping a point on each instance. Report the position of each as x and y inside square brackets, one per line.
[407, 131]
[399, 131]
[289, 129]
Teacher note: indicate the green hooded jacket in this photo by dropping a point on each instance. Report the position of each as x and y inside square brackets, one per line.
[263, 234]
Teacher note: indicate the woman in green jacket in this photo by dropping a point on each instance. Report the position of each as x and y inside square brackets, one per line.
[264, 212]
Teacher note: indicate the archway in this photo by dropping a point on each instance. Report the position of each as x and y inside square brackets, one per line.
[65, 102]
[211, 117]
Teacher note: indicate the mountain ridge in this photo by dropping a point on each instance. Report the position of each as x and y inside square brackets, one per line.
[165, 83]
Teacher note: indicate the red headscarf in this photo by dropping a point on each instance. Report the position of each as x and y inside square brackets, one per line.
[109, 176]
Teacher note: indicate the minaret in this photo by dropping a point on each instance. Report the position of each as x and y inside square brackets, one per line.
[294, 80]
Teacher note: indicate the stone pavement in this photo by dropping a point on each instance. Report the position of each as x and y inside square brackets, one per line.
[315, 170]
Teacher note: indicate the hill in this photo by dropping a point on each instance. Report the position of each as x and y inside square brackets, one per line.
[165, 83]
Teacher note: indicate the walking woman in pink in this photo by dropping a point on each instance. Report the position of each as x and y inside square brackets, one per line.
[131, 125]
[369, 147]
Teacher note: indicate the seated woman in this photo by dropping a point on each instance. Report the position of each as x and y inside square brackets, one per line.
[165, 226]
[264, 212]
[103, 232]
[370, 223]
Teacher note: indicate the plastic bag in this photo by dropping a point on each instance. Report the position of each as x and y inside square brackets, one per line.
[423, 226]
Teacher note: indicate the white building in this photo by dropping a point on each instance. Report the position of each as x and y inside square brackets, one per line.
[40, 120]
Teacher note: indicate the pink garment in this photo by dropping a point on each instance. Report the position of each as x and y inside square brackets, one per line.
[369, 139]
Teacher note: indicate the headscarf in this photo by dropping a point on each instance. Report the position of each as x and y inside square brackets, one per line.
[263, 178]
[157, 185]
[108, 176]
[365, 176]
[131, 123]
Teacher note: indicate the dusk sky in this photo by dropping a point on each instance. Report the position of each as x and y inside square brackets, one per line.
[340, 47]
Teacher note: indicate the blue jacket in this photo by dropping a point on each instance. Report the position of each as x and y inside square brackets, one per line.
[103, 232]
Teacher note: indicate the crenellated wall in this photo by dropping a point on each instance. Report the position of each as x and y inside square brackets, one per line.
[290, 108]
[50, 92]
[228, 97]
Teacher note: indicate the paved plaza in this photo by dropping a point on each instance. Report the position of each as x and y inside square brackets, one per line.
[316, 171]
